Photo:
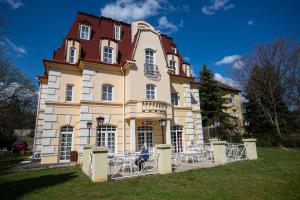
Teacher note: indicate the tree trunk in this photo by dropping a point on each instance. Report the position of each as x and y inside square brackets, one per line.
[277, 128]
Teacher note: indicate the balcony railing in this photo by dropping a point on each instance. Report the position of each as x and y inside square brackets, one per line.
[154, 106]
[151, 71]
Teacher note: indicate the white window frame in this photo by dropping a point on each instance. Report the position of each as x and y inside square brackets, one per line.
[60, 141]
[145, 137]
[103, 134]
[72, 96]
[107, 93]
[177, 145]
[117, 32]
[172, 93]
[72, 57]
[150, 93]
[172, 64]
[83, 34]
[105, 54]
[148, 59]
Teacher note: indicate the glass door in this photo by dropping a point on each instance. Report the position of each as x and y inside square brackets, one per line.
[176, 139]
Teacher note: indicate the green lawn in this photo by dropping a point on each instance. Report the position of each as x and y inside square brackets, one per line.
[276, 175]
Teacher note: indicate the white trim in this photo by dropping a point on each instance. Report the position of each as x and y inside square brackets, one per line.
[72, 97]
[89, 31]
[117, 37]
[112, 92]
[74, 57]
[112, 55]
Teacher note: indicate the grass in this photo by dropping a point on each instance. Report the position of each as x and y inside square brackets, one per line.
[9, 161]
[276, 175]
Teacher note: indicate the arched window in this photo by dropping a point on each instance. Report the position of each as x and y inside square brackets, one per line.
[107, 92]
[176, 139]
[145, 137]
[150, 92]
[106, 137]
[149, 62]
[66, 137]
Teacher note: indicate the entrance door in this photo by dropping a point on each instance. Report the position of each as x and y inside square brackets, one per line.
[145, 137]
[106, 137]
[65, 143]
[176, 139]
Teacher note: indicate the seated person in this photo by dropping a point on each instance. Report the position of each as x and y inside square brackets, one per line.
[143, 156]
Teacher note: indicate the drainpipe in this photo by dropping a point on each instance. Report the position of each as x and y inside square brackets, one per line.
[36, 120]
[123, 107]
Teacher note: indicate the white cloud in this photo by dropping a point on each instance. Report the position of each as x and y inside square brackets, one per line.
[216, 5]
[193, 72]
[18, 49]
[238, 64]
[130, 10]
[228, 60]
[15, 4]
[226, 80]
[235, 60]
[186, 59]
[167, 26]
[250, 22]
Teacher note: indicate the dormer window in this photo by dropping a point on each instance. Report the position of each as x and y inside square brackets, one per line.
[172, 64]
[72, 55]
[174, 50]
[107, 55]
[117, 32]
[85, 32]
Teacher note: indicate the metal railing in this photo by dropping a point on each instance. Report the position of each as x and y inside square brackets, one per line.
[151, 71]
[91, 164]
[125, 166]
[235, 152]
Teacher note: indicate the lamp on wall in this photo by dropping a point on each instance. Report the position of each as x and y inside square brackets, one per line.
[89, 125]
[100, 121]
[162, 123]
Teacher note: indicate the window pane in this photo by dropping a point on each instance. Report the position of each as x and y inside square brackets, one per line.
[107, 92]
[69, 92]
[107, 55]
[85, 32]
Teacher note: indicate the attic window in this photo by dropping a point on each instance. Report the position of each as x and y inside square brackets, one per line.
[117, 32]
[174, 50]
[85, 32]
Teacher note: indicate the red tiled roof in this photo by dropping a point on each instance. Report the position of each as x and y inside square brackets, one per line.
[103, 27]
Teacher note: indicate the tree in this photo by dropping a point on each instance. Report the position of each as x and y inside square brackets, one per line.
[17, 102]
[212, 104]
[270, 79]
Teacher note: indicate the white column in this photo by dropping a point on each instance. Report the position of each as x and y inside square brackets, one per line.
[132, 135]
[168, 132]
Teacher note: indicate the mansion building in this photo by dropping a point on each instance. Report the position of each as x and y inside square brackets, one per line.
[129, 74]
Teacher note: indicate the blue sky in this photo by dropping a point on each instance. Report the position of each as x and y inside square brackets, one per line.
[215, 32]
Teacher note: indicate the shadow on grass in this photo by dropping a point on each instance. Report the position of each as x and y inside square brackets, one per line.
[15, 189]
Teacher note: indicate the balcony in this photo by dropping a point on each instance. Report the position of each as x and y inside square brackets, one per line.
[151, 71]
[148, 109]
[154, 106]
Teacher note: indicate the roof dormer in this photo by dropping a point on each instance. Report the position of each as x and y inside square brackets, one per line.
[72, 51]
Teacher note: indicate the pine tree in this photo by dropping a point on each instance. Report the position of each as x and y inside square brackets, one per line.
[212, 104]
